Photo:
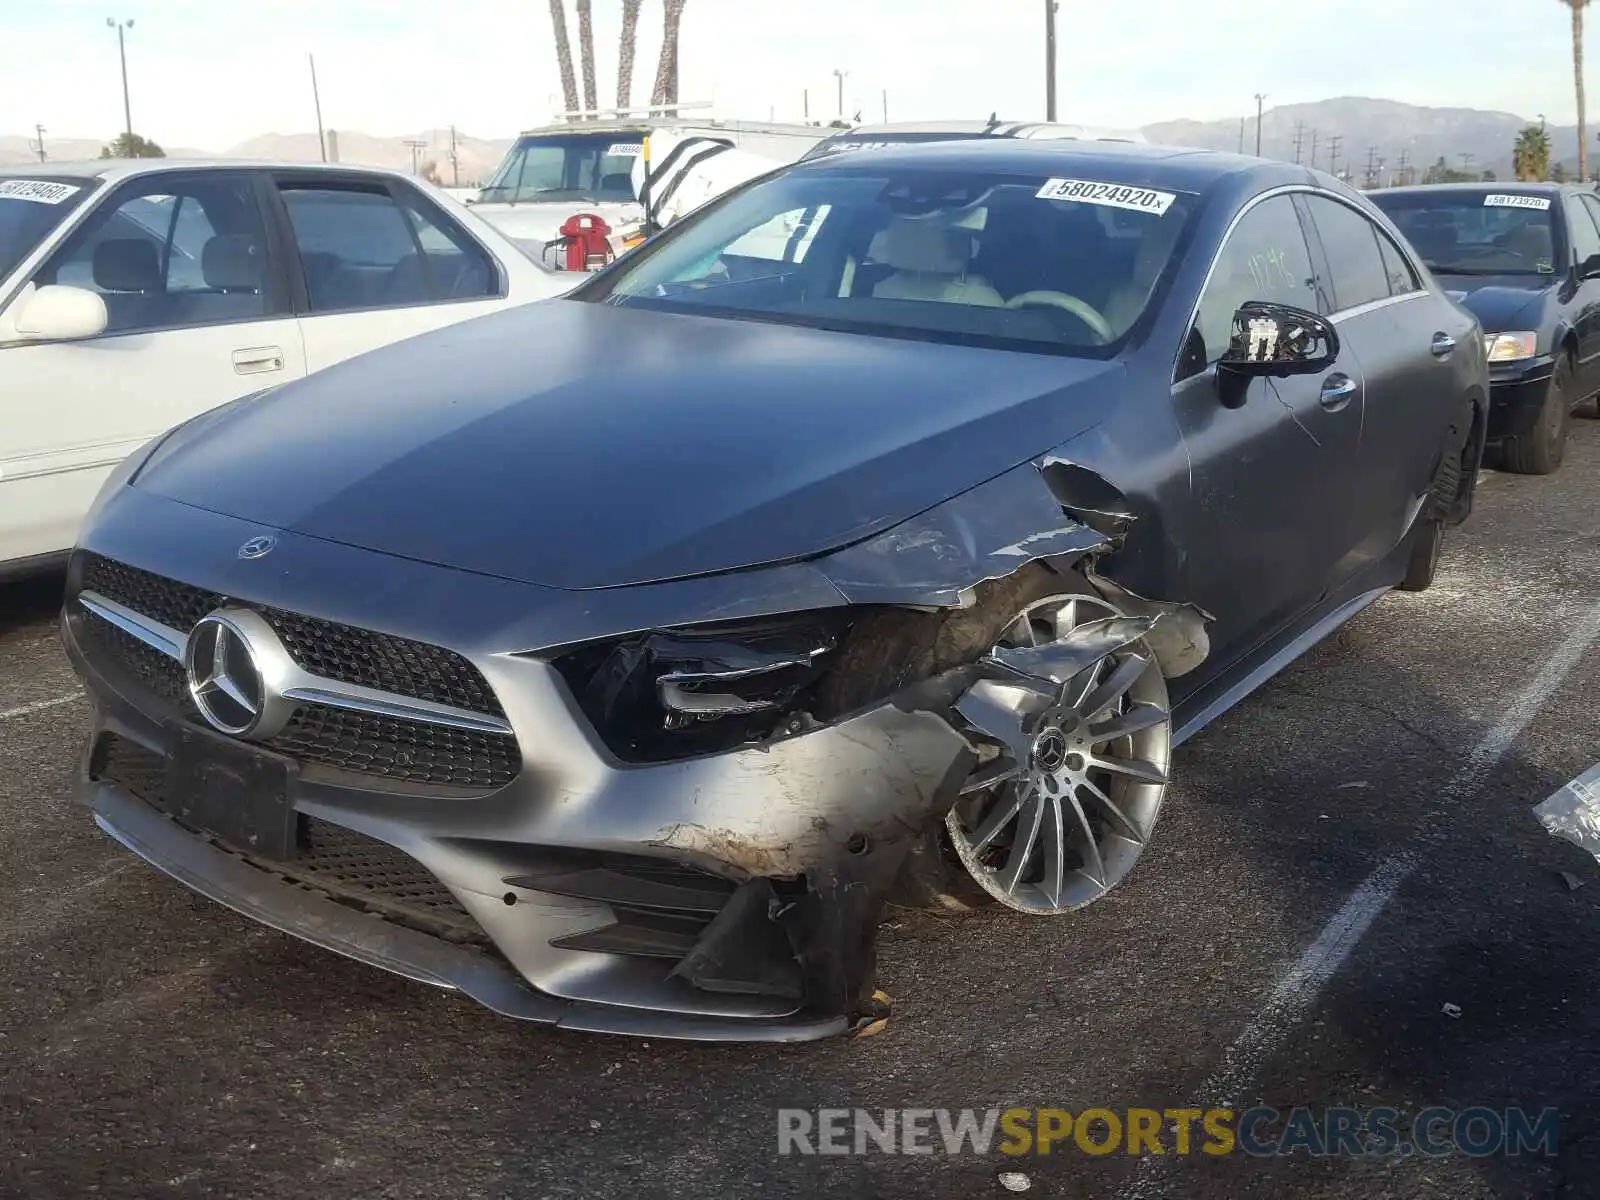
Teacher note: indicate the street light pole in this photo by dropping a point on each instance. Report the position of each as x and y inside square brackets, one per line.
[1050, 60]
[839, 75]
[39, 129]
[316, 100]
[122, 53]
[1260, 96]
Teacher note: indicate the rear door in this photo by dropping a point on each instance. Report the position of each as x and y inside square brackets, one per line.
[1583, 239]
[1270, 476]
[1407, 341]
[378, 262]
[198, 315]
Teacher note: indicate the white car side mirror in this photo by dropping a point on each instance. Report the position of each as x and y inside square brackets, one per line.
[58, 313]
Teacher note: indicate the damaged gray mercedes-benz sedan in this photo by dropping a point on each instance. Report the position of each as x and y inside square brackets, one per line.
[873, 535]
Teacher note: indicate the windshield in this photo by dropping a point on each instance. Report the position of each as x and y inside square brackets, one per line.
[1021, 262]
[588, 167]
[30, 208]
[1472, 232]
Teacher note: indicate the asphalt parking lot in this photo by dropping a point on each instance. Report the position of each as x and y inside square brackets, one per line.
[1341, 857]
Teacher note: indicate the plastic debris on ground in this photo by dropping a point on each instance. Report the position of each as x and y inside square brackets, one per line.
[1573, 812]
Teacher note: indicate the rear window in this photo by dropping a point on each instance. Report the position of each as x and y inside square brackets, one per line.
[31, 207]
[1063, 265]
[1492, 231]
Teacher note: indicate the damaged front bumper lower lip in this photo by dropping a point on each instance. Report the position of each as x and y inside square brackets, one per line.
[233, 882]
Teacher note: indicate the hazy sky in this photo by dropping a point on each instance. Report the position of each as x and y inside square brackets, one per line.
[208, 73]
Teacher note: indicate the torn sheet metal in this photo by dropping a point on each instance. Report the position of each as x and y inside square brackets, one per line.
[1052, 664]
[936, 560]
[1087, 496]
[1573, 812]
[1178, 638]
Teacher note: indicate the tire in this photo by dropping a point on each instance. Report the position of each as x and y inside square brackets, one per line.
[1540, 450]
[945, 868]
[1424, 560]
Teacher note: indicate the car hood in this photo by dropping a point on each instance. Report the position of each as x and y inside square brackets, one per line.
[1498, 301]
[581, 445]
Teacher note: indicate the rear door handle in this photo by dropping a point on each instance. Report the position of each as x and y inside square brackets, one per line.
[1337, 391]
[1441, 345]
[257, 360]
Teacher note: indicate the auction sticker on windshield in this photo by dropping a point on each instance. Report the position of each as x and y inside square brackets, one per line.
[1497, 201]
[625, 149]
[1112, 195]
[38, 190]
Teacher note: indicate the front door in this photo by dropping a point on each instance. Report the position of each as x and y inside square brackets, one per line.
[1267, 529]
[196, 317]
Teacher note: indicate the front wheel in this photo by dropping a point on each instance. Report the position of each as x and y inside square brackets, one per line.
[1540, 450]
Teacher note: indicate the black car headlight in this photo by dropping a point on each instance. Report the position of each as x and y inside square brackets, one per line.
[702, 689]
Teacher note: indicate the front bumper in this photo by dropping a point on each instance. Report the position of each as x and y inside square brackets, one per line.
[1516, 394]
[795, 842]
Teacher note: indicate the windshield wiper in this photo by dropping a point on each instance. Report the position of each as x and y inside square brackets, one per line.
[1448, 269]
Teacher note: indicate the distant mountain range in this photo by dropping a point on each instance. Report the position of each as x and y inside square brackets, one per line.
[1386, 129]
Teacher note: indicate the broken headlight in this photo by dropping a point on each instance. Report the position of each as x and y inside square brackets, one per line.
[701, 689]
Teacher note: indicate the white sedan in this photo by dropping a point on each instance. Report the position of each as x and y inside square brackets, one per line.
[135, 295]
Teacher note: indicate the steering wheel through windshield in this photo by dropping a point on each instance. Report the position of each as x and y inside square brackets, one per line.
[1081, 309]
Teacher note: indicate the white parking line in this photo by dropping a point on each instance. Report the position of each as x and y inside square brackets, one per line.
[1298, 988]
[39, 706]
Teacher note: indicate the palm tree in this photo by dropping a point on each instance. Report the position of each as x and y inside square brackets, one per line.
[666, 89]
[586, 53]
[569, 82]
[1577, 7]
[1530, 157]
[626, 50]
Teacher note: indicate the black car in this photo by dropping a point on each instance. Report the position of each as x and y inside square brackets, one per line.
[1525, 258]
[876, 531]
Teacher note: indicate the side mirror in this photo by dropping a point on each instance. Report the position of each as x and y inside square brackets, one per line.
[1589, 268]
[1274, 339]
[58, 313]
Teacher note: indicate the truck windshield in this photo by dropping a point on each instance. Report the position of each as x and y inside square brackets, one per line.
[30, 207]
[1054, 265]
[551, 168]
[1468, 231]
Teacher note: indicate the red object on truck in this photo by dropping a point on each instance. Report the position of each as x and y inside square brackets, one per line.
[587, 240]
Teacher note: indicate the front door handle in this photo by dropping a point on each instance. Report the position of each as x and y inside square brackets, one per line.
[1441, 345]
[257, 360]
[1337, 391]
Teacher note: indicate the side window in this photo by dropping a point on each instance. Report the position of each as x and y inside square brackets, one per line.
[1350, 242]
[1591, 205]
[1585, 238]
[1402, 279]
[171, 255]
[1264, 258]
[361, 248]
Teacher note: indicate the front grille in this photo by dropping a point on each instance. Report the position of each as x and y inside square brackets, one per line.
[390, 748]
[403, 750]
[340, 863]
[360, 656]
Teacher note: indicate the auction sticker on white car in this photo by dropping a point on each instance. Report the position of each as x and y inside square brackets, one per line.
[1113, 195]
[38, 190]
[1494, 200]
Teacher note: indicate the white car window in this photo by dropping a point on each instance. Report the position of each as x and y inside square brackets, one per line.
[172, 254]
[361, 248]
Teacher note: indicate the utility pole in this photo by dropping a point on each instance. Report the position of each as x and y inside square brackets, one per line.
[1299, 140]
[1260, 96]
[455, 162]
[1241, 135]
[1466, 160]
[1049, 60]
[1313, 149]
[1372, 173]
[839, 75]
[39, 129]
[885, 106]
[416, 146]
[1334, 141]
[805, 103]
[1402, 178]
[316, 100]
[122, 53]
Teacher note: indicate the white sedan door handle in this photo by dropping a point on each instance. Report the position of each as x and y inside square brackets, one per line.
[258, 360]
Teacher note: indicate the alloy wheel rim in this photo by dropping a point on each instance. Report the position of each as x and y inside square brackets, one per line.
[1066, 805]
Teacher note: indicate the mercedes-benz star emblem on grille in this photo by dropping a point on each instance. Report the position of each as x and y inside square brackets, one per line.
[256, 547]
[225, 677]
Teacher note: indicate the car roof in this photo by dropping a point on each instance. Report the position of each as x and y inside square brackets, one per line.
[994, 128]
[1484, 185]
[113, 169]
[1182, 167]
